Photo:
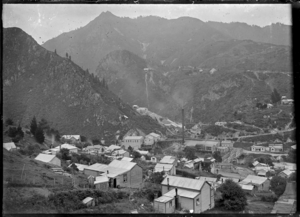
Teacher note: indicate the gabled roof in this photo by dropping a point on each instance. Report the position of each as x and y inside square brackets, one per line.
[45, 158]
[122, 164]
[9, 145]
[287, 172]
[182, 193]
[91, 147]
[70, 136]
[251, 179]
[182, 182]
[162, 167]
[121, 151]
[155, 135]
[112, 171]
[66, 146]
[127, 159]
[86, 200]
[168, 159]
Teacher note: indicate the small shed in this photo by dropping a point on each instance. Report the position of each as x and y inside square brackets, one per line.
[286, 173]
[9, 146]
[51, 159]
[101, 183]
[89, 201]
[247, 188]
[164, 204]
[153, 159]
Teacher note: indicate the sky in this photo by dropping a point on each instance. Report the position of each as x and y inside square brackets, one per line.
[44, 21]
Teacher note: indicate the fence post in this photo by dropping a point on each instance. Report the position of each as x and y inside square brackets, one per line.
[54, 181]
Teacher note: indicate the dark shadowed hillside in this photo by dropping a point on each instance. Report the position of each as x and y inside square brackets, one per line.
[41, 83]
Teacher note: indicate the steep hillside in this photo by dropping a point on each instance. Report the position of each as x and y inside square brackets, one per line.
[274, 34]
[152, 38]
[124, 72]
[41, 83]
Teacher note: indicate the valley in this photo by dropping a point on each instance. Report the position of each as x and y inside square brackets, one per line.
[107, 117]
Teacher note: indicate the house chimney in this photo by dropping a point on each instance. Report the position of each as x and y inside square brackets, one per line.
[107, 172]
[176, 198]
[182, 126]
[168, 183]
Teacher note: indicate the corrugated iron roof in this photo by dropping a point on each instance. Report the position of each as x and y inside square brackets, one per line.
[287, 172]
[182, 193]
[86, 200]
[127, 159]
[163, 199]
[162, 167]
[168, 159]
[66, 146]
[143, 152]
[122, 164]
[9, 145]
[154, 135]
[182, 182]
[101, 179]
[45, 157]
[254, 180]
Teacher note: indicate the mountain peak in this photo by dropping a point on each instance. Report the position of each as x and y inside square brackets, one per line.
[107, 14]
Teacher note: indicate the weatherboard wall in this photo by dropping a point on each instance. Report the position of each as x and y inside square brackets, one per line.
[134, 178]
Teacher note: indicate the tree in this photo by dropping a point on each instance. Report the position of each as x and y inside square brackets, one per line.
[55, 51]
[39, 135]
[70, 57]
[136, 154]
[157, 177]
[277, 185]
[275, 96]
[67, 55]
[20, 131]
[232, 196]
[12, 132]
[293, 177]
[65, 154]
[33, 126]
[9, 122]
[130, 149]
[217, 156]
[43, 124]
[190, 153]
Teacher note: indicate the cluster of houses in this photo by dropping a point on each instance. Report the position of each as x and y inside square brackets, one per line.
[271, 148]
[222, 146]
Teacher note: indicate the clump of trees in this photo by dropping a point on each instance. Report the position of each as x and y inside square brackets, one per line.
[275, 96]
[157, 177]
[277, 185]
[38, 130]
[217, 156]
[16, 133]
[232, 197]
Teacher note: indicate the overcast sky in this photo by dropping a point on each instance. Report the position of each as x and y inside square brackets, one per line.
[44, 22]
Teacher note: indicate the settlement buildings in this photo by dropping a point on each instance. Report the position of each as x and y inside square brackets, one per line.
[51, 159]
[9, 146]
[120, 173]
[134, 141]
[184, 193]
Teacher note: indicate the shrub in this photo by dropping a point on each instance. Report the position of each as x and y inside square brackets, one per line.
[277, 185]
[233, 197]
[271, 198]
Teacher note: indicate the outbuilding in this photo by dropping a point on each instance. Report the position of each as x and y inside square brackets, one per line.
[101, 182]
[51, 159]
[9, 146]
[89, 201]
[164, 204]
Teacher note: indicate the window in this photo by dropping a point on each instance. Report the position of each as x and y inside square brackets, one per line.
[125, 177]
[197, 202]
[170, 203]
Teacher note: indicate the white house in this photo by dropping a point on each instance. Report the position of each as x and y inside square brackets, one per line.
[9, 146]
[258, 148]
[51, 159]
[149, 140]
[189, 194]
[72, 137]
[259, 183]
[167, 168]
[71, 148]
[134, 141]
